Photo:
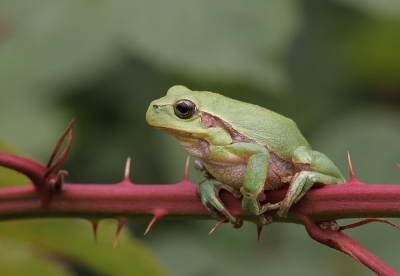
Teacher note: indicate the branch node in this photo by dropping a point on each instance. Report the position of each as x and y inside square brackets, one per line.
[56, 184]
[332, 225]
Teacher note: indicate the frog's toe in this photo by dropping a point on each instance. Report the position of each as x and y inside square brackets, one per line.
[238, 223]
[212, 211]
[208, 191]
[266, 219]
[218, 215]
[235, 221]
[282, 206]
[236, 193]
[268, 206]
[282, 213]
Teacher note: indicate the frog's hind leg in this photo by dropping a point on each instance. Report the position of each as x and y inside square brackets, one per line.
[313, 168]
[299, 186]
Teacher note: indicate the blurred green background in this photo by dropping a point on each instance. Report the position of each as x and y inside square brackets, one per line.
[332, 66]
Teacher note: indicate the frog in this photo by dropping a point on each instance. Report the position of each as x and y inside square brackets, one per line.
[242, 148]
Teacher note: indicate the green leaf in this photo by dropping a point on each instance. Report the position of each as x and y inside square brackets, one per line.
[61, 245]
[10, 177]
[21, 259]
[388, 8]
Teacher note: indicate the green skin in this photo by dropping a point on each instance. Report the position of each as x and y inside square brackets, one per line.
[242, 148]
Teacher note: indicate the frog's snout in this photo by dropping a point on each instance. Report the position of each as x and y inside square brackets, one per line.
[154, 113]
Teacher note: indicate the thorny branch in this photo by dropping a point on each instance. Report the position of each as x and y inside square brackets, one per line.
[317, 211]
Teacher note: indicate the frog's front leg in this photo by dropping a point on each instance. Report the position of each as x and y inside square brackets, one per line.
[312, 167]
[208, 191]
[255, 175]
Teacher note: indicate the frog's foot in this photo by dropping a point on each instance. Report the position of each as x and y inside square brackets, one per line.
[267, 219]
[208, 191]
[252, 205]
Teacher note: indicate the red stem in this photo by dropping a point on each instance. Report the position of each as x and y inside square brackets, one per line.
[134, 201]
[340, 241]
[126, 200]
[26, 166]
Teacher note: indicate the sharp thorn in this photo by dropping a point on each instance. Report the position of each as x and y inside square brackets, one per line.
[259, 230]
[127, 169]
[153, 220]
[277, 174]
[186, 176]
[185, 180]
[352, 175]
[121, 223]
[95, 224]
[218, 224]
[157, 215]
[126, 181]
[348, 252]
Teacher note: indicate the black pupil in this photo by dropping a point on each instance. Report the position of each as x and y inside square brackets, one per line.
[183, 108]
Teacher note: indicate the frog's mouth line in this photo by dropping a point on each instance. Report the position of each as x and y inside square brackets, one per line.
[180, 133]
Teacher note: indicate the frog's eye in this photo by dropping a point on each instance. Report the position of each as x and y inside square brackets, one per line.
[185, 109]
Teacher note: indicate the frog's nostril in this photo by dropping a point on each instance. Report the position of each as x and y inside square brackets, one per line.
[155, 106]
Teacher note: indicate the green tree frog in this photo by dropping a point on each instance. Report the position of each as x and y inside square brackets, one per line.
[242, 148]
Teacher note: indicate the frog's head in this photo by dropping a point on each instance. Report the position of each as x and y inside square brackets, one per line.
[186, 115]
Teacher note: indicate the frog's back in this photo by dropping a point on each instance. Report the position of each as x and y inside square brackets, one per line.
[268, 128]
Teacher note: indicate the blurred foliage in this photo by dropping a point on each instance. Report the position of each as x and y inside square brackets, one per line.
[66, 246]
[332, 66]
